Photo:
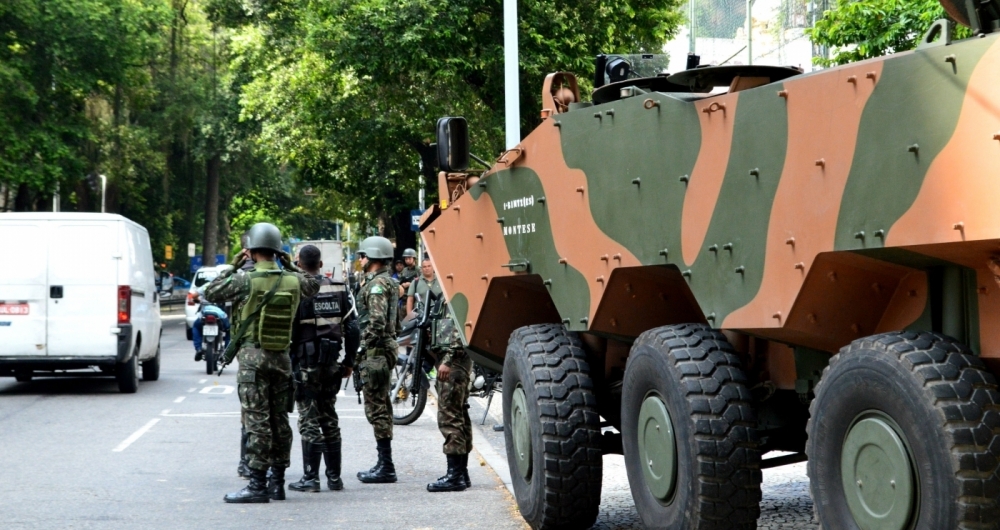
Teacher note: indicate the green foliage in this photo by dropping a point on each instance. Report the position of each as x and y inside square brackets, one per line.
[862, 29]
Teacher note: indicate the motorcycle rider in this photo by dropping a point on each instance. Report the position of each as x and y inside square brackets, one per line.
[321, 324]
[197, 328]
[270, 298]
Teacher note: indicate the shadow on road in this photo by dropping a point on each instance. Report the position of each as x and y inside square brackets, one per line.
[65, 385]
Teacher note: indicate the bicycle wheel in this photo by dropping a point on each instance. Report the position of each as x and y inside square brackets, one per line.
[407, 405]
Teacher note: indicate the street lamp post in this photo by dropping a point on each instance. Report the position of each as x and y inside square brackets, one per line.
[512, 95]
[104, 189]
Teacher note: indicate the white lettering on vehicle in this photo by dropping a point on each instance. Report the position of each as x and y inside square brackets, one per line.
[518, 229]
[519, 203]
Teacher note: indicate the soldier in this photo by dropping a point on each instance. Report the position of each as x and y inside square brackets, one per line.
[377, 318]
[409, 272]
[421, 286]
[453, 410]
[321, 325]
[270, 297]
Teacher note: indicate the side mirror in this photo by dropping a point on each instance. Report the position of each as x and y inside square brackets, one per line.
[453, 144]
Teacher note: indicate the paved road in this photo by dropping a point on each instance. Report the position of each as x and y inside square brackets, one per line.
[786, 504]
[61, 469]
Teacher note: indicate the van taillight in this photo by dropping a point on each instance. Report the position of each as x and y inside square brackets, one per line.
[124, 304]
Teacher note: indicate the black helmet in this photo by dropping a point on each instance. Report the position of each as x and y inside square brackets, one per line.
[264, 236]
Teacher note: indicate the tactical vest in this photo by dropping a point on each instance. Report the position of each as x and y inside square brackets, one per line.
[273, 327]
[321, 316]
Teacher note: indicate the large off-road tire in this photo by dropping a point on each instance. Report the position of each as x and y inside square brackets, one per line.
[151, 367]
[905, 434]
[127, 374]
[689, 432]
[552, 428]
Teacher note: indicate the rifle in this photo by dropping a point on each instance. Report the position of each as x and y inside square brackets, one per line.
[358, 381]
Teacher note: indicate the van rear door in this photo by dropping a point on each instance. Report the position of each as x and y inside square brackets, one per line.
[83, 288]
[22, 288]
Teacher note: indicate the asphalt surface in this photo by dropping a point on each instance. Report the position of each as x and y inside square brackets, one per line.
[786, 504]
[78, 454]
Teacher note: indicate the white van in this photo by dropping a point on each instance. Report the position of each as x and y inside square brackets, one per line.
[77, 291]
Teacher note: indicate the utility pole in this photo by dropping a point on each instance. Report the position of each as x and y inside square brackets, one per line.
[55, 199]
[691, 25]
[104, 189]
[512, 93]
[750, 32]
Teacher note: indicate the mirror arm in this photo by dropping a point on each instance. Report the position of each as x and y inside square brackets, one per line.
[480, 160]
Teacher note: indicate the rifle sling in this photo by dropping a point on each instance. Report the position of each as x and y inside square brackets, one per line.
[241, 330]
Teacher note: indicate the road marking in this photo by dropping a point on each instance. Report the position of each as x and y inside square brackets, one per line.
[202, 381]
[217, 389]
[165, 411]
[178, 400]
[135, 436]
[192, 389]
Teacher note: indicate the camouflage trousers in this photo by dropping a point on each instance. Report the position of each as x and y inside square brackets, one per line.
[264, 384]
[453, 412]
[378, 407]
[318, 421]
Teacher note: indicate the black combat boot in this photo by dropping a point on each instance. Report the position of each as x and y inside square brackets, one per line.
[243, 469]
[199, 355]
[310, 463]
[331, 455]
[276, 483]
[465, 470]
[255, 491]
[384, 471]
[454, 480]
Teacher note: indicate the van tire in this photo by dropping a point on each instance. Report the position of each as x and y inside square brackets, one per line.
[151, 368]
[127, 374]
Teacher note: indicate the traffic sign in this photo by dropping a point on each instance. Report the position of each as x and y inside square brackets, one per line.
[191, 250]
[196, 261]
[168, 252]
[415, 219]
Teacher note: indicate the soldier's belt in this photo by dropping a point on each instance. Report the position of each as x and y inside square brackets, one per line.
[320, 321]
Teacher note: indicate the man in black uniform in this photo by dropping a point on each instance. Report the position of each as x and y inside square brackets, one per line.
[321, 324]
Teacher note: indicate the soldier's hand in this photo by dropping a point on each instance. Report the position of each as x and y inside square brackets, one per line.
[444, 372]
[346, 371]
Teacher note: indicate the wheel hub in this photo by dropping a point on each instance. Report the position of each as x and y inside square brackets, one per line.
[657, 448]
[521, 433]
[878, 476]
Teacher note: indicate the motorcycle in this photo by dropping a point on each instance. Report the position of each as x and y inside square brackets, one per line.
[409, 379]
[213, 343]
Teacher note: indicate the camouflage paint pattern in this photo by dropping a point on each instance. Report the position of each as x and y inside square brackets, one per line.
[806, 211]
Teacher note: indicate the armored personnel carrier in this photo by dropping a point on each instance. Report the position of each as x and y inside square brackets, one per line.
[734, 268]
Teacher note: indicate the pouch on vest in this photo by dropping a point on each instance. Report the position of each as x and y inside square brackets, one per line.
[274, 326]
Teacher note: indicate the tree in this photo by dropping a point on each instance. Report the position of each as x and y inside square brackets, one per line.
[862, 29]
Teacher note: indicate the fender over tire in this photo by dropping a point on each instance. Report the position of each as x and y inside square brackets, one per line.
[547, 369]
[692, 372]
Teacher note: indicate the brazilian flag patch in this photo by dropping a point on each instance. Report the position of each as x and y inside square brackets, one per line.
[377, 289]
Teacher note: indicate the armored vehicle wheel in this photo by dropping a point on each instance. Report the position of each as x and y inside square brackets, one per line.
[553, 430]
[689, 432]
[905, 434]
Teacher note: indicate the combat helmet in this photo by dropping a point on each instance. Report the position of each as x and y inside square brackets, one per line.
[264, 236]
[376, 247]
[409, 253]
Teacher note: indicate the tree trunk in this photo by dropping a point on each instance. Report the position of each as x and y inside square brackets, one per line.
[405, 237]
[211, 236]
[22, 202]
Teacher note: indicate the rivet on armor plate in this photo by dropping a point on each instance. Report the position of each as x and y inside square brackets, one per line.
[479, 235]
[958, 226]
[562, 261]
[728, 246]
[783, 94]
[821, 163]
[605, 257]
[684, 178]
[580, 189]
[800, 266]
[870, 75]
[790, 241]
[635, 181]
[950, 58]
[617, 257]
[713, 248]
[915, 148]
[740, 270]
[853, 79]
[755, 172]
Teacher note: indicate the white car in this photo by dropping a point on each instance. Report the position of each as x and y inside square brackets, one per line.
[86, 297]
[202, 278]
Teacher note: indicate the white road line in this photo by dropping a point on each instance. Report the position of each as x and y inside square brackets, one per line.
[178, 400]
[202, 381]
[165, 411]
[135, 436]
[192, 389]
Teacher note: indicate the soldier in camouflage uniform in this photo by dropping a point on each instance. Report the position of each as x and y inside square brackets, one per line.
[323, 323]
[264, 378]
[377, 307]
[453, 410]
